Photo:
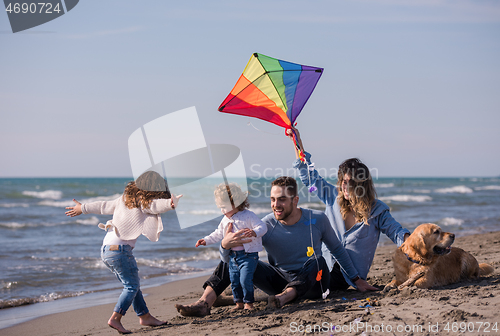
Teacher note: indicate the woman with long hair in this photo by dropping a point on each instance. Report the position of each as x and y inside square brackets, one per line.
[355, 213]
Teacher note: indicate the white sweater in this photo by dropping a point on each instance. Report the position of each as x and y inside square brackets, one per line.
[241, 220]
[128, 224]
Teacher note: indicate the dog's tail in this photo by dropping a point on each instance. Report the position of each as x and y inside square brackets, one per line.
[485, 269]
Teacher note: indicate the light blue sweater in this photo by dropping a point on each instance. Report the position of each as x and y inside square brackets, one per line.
[361, 240]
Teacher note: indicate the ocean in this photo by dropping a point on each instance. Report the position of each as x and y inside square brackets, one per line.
[47, 258]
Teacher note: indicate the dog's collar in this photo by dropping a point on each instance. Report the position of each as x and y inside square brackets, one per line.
[412, 260]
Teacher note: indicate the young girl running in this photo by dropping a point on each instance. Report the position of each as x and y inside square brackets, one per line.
[136, 212]
[242, 259]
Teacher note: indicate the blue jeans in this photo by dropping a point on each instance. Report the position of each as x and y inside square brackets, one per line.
[273, 280]
[241, 269]
[123, 264]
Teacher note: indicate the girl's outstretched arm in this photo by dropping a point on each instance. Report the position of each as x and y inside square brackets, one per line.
[74, 211]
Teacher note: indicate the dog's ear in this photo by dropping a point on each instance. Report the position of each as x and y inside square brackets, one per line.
[414, 247]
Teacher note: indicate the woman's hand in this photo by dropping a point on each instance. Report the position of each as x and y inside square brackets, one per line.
[74, 211]
[289, 133]
[175, 200]
[364, 286]
[232, 239]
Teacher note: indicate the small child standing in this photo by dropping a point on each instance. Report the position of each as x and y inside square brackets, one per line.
[243, 259]
[136, 212]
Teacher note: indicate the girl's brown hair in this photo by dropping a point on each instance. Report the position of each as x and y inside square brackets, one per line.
[148, 187]
[362, 192]
[231, 194]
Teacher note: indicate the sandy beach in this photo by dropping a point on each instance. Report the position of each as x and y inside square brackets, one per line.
[468, 307]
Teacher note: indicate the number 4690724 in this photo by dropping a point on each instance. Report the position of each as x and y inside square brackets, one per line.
[32, 8]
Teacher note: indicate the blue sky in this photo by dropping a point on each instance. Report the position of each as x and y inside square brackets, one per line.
[410, 87]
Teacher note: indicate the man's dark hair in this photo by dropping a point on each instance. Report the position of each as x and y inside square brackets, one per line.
[289, 183]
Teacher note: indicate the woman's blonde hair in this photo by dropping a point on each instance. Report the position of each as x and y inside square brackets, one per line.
[362, 192]
[231, 194]
[148, 187]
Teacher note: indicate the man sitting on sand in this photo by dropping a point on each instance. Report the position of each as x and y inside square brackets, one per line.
[291, 272]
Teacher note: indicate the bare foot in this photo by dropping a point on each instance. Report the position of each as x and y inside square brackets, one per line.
[200, 308]
[249, 306]
[150, 320]
[273, 302]
[117, 325]
[239, 305]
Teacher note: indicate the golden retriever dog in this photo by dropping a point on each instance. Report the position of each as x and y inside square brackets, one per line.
[426, 259]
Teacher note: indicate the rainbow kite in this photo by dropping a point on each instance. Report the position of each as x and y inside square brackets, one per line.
[272, 90]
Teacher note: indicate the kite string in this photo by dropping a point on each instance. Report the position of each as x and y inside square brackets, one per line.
[312, 240]
[250, 124]
[309, 185]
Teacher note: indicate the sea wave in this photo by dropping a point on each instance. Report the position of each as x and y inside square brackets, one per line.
[457, 189]
[88, 221]
[167, 263]
[68, 203]
[448, 221]
[260, 210]
[422, 191]
[7, 285]
[314, 206]
[47, 194]
[384, 185]
[42, 298]
[490, 187]
[14, 205]
[406, 198]
[15, 225]
[200, 212]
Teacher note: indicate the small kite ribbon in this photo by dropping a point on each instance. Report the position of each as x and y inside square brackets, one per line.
[310, 251]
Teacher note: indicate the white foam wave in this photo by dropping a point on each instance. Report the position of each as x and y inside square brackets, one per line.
[384, 185]
[406, 198]
[490, 187]
[260, 210]
[47, 194]
[314, 206]
[456, 189]
[14, 205]
[68, 203]
[422, 191]
[13, 225]
[451, 221]
[88, 221]
[7, 285]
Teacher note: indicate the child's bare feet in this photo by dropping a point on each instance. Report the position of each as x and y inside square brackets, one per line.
[115, 323]
[151, 321]
[249, 306]
[239, 305]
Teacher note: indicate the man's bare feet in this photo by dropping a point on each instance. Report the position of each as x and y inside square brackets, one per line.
[248, 306]
[200, 308]
[115, 323]
[150, 321]
[273, 302]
